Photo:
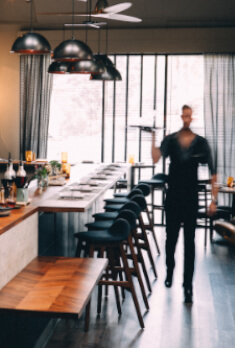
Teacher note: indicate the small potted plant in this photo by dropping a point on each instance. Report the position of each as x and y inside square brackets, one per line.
[55, 167]
[42, 173]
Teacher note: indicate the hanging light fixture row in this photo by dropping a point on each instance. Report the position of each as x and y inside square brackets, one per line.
[70, 56]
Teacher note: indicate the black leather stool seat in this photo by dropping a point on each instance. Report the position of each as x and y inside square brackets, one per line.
[123, 200]
[106, 215]
[143, 187]
[133, 206]
[126, 214]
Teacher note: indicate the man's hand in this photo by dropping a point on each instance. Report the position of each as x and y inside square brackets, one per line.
[212, 209]
[156, 152]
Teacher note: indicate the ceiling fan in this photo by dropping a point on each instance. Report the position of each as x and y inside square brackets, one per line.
[103, 10]
[89, 22]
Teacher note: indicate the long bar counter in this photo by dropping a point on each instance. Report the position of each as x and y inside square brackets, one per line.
[44, 228]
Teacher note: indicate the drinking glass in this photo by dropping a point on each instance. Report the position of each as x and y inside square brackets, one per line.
[29, 155]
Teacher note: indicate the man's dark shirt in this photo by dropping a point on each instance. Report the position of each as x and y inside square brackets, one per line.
[184, 162]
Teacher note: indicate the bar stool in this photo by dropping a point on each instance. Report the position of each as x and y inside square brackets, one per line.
[157, 183]
[118, 204]
[140, 200]
[131, 210]
[113, 240]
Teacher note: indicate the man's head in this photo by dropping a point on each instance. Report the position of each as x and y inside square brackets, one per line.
[186, 116]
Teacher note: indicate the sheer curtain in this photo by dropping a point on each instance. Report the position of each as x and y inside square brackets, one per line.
[35, 91]
[219, 112]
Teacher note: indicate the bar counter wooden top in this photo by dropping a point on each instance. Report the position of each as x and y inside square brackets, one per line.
[49, 199]
[16, 216]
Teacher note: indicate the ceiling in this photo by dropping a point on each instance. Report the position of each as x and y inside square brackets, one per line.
[154, 13]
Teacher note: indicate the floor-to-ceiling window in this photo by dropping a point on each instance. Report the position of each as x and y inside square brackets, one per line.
[97, 121]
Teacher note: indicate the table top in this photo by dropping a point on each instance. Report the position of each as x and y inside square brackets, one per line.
[50, 200]
[223, 189]
[142, 166]
[53, 286]
[226, 189]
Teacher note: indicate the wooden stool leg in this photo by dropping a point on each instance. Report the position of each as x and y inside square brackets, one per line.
[152, 230]
[137, 271]
[79, 249]
[99, 300]
[144, 234]
[140, 258]
[131, 285]
[117, 258]
[114, 277]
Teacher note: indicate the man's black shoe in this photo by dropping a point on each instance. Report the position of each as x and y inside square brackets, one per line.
[168, 281]
[188, 293]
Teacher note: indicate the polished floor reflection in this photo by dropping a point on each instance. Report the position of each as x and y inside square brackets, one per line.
[209, 322]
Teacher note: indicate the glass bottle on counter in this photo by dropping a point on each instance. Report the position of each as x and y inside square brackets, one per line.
[2, 196]
[20, 176]
[9, 174]
[11, 199]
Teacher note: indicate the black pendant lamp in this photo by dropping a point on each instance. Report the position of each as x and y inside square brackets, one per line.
[72, 50]
[31, 43]
[58, 67]
[85, 67]
[110, 72]
[100, 6]
[93, 67]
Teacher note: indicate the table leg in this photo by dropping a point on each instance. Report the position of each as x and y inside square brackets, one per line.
[233, 206]
[87, 316]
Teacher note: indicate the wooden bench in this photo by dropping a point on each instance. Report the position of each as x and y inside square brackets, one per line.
[54, 287]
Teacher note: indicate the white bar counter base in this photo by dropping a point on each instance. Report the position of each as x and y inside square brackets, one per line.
[18, 247]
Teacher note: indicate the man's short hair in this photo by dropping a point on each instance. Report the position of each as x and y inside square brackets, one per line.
[186, 107]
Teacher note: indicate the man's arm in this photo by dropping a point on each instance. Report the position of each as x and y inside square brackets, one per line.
[156, 152]
[214, 192]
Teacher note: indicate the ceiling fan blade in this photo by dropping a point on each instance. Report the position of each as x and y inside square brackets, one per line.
[124, 18]
[69, 14]
[94, 26]
[118, 7]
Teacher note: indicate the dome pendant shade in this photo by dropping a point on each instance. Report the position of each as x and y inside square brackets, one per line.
[58, 67]
[72, 51]
[31, 43]
[85, 67]
[110, 74]
[100, 6]
[103, 59]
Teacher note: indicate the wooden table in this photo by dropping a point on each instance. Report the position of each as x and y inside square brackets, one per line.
[227, 190]
[53, 286]
[139, 166]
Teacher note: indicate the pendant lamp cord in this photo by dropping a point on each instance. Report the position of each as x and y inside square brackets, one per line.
[88, 11]
[98, 41]
[106, 40]
[73, 20]
[31, 16]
